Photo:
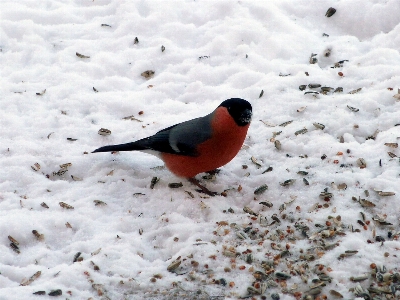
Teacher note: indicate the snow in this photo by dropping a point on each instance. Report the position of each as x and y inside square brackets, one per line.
[214, 50]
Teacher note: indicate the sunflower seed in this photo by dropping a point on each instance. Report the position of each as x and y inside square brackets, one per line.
[175, 185]
[44, 205]
[15, 248]
[282, 276]
[154, 180]
[278, 144]
[105, 25]
[162, 48]
[55, 293]
[76, 256]
[266, 203]
[301, 109]
[261, 189]
[306, 181]
[261, 94]
[314, 85]
[39, 293]
[302, 87]
[330, 12]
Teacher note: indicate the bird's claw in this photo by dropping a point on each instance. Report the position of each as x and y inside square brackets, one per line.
[203, 189]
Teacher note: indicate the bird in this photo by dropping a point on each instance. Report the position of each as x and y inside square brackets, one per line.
[198, 145]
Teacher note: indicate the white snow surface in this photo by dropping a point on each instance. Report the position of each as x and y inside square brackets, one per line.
[214, 50]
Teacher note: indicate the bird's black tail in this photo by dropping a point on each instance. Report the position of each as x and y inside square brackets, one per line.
[122, 147]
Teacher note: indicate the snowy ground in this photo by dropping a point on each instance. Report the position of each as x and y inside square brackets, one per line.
[214, 50]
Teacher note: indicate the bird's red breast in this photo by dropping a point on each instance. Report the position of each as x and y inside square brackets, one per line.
[226, 140]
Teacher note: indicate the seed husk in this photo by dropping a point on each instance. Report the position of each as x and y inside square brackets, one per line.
[174, 265]
[99, 203]
[65, 205]
[338, 90]
[269, 169]
[104, 131]
[306, 181]
[31, 279]
[319, 126]
[336, 294]
[301, 131]
[249, 211]
[392, 145]
[284, 124]
[12, 240]
[254, 161]
[361, 163]
[355, 91]
[81, 55]
[352, 108]
[278, 144]
[148, 74]
[392, 155]
[301, 109]
[302, 87]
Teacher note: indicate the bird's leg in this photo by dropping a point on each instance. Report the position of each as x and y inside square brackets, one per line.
[203, 188]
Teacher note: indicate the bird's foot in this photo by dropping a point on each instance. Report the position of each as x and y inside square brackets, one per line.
[203, 189]
[214, 172]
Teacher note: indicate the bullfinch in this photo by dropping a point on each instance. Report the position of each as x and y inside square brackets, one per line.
[199, 145]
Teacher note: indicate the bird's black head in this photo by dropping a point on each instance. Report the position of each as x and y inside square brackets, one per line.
[239, 109]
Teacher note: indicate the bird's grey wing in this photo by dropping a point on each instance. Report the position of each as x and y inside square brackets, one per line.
[182, 138]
